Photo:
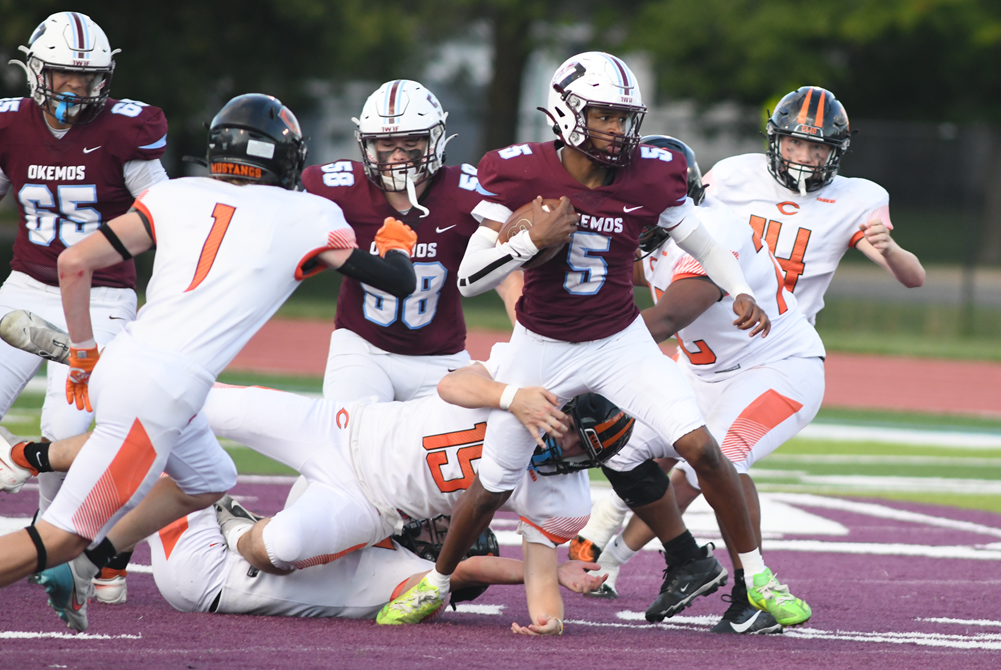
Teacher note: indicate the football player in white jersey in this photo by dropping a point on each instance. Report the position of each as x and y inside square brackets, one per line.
[806, 213]
[755, 393]
[379, 464]
[196, 571]
[230, 249]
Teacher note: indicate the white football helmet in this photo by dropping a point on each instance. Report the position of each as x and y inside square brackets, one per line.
[69, 42]
[402, 108]
[595, 78]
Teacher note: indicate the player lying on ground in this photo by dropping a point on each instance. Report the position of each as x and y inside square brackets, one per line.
[214, 285]
[372, 461]
[196, 570]
[755, 393]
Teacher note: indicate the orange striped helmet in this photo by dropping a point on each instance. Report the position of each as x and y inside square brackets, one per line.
[813, 114]
[603, 429]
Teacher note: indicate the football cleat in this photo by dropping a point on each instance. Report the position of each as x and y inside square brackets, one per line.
[29, 332]
[417, 604]
[110, 587]
[741, 618]
[683, 583]
[770, 595]
[232, 514]
[12, 475]
[582, 549]
[606, 590]
[70, 587]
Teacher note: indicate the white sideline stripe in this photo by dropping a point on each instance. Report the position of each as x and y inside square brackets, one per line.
[864, 483]
[876, 549]
[266, 479]
[490, 610]
[909, 436]
[962, 622]
[882, 512]
[977, 641]
[853, 459]
[31, 635]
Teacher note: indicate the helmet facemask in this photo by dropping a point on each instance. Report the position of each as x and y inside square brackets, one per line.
[603, 429]
[397, 109]
[68, 42]
[596, 80]
[810, 114]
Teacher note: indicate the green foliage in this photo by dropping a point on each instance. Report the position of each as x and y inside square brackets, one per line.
[902, 59]
[189, 57]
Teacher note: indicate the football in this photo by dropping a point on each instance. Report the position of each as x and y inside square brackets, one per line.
[522, 220]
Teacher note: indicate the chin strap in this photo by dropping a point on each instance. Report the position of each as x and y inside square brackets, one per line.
[801, 174]
[412, 194]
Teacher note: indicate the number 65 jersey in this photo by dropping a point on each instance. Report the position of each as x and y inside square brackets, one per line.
[227, 257]
[808, 234]
[65, 187]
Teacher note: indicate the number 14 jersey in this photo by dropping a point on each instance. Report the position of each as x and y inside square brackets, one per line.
[808, 234]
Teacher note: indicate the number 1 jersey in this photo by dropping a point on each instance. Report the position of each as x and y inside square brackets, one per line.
[227, 257]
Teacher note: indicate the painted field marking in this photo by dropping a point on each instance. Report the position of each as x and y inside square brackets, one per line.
[962, 622]
[976, 641]
[855, 459]
[489, 610]
[29, 635]
[915, 437]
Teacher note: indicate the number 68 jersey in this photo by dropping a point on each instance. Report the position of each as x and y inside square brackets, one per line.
[65, 187]
[227, 257]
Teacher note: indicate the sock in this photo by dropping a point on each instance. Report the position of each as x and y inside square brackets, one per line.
[738, 584]
[439, 580]
[617, 553]
[681, 549]
[753, 565]
[119, 562]
[234, 534]
[101, 554]
[32, 456]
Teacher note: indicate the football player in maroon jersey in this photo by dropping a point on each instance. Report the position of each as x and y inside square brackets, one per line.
[73, 158]
[382, 346]
[578, 326]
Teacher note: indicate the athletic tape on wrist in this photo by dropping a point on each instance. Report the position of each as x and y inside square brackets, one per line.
[507, 397]
[43, 556]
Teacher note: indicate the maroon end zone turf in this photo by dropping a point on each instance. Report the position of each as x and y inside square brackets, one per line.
[870, 611]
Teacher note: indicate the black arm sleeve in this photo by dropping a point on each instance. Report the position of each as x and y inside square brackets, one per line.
[393, 274]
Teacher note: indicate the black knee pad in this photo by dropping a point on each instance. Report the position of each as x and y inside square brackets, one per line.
[644, 484]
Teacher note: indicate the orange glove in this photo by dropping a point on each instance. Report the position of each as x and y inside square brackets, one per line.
[395, 234]
[81, 362]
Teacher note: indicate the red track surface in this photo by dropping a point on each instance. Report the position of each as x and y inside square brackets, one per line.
[867, 382]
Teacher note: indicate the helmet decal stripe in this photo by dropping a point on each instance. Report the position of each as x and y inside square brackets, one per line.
[393, 95]
[80, 43]
[805, 109]
[818, 120]
[624, 80]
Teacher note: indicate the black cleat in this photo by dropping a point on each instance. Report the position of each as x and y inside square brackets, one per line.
[684, 583]
[741, 618]
[231, 514]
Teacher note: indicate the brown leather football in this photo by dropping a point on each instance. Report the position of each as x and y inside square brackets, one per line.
[522, 220]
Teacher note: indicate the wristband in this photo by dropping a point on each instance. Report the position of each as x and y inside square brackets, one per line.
[507, 397]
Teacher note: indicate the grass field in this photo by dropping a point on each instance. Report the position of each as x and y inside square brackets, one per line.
[960, 477]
